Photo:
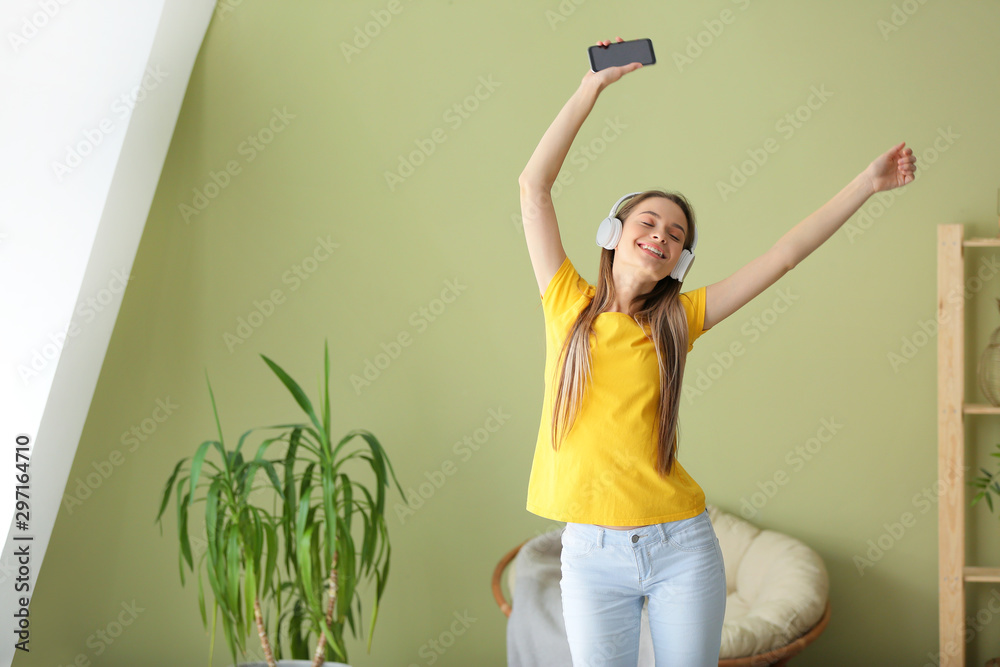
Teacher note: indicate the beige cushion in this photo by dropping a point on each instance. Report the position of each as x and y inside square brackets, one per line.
[777, 588]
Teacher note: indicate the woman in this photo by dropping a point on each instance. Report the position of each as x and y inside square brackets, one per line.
[605, 459]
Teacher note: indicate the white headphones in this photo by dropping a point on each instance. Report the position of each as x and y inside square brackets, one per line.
[610, 232]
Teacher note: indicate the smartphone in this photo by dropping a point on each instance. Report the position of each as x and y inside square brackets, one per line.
[621, 53]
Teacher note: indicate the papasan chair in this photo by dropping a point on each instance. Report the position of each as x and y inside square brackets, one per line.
[777, 602]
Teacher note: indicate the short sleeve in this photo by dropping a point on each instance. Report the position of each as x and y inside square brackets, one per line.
[694, 306]
[565, 291]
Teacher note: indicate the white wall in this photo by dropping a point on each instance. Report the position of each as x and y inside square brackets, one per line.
[91, 93]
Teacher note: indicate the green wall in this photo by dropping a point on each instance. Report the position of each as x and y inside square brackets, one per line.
[396, 249]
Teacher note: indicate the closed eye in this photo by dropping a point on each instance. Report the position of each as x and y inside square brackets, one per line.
[671, 236]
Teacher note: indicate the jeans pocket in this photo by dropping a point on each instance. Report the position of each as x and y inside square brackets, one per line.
[575, 544]
[694, 534]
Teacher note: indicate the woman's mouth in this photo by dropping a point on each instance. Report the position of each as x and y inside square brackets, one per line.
[650, 252]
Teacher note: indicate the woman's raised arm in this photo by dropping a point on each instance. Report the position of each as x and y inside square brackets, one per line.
[893, 169]
[541, 229]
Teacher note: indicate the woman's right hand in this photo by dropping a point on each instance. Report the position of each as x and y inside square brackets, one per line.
[606, 77]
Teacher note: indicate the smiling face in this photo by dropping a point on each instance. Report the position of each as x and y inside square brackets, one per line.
[658, 224]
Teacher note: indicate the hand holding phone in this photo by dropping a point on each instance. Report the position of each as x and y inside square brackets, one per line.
[617, 54]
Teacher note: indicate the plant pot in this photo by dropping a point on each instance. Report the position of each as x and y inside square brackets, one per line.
[293, 663]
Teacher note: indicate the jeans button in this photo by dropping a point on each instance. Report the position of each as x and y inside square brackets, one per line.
[635, 538]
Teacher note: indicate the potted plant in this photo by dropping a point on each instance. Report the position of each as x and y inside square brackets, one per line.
[289, 555]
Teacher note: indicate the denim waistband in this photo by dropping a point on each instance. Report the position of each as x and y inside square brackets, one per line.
[656, 532]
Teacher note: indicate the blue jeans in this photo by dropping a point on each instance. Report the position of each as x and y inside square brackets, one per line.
[606, 574]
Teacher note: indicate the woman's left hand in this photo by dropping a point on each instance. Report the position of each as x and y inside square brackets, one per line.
[893, 169]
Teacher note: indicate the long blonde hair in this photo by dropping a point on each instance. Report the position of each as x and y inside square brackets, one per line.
[661, 312]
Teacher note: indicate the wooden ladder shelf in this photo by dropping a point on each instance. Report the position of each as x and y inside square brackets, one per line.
[953, 573]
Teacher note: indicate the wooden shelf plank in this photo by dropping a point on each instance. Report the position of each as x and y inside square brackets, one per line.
[991, 574]
[980, 409]
[988, 241]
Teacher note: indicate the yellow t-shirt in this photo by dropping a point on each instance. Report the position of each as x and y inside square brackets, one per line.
[605, 470]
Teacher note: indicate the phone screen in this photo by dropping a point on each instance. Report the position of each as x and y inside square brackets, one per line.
[621, 53]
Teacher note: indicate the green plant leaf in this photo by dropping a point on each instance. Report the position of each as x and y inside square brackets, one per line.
[166, 491]
[306, 483]
[382, 457]
[353, 631]
[201, 595]
[370, 535]
[199, 459]
[326, 393]
[310, 440]
[385, 571]
[212, 520]
[251, 469]
[307, 571]
[303, 566]
[214, 582]
[273, 476]
[215, 410]
[332, 640]
[230, 639]
[289, 466]
[296, 391]
[258, 542]
[250, 594]
[239, 445]
[345, 565]
[182, 530]
[371, 624]
[271, 566]
[347, 491]
[290, 504]
[233, 565]
[329, 511]
[300, 648]
[349, 616]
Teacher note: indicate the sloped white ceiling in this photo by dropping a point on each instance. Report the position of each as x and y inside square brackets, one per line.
[91, 94]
